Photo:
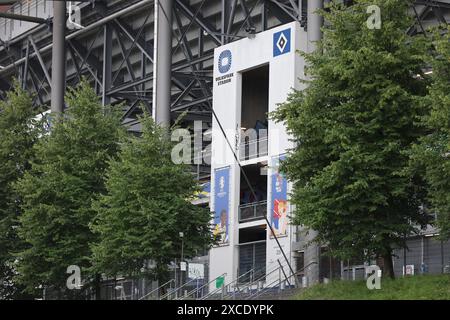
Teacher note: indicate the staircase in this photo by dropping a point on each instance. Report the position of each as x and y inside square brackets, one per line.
[283, 286]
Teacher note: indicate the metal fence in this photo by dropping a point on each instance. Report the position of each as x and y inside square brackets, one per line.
[126, 289]
[424, 255]
[148, 289]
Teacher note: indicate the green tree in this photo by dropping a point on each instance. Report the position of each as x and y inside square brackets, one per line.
[58, 190]
[19, 131]
[432, 154]
[353, 126]
[146, 206]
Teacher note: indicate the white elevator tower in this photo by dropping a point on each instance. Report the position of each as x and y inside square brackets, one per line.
[252, 77]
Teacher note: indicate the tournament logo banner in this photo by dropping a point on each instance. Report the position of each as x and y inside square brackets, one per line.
[221, 205]
[279, 203]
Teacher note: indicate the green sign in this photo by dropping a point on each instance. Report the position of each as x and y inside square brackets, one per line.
[220, 281]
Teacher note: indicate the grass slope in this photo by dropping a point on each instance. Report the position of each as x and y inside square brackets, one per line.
[429, 287]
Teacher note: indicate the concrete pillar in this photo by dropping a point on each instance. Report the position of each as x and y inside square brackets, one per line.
[312, 252]
[315, 22]
[58, 57]
[162, 62]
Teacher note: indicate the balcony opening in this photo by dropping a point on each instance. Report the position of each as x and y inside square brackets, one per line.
[252, 254]
[253, 206]
[254, 109]
[252, 234]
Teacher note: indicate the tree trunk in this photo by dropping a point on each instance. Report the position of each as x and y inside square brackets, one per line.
[388, 265]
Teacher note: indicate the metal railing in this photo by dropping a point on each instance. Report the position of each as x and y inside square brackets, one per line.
[240, 289]
[280, 284]
[255, 284]
[271, 286]
[230, 285]
[177, 292]
[252, 211]
[255, 148]
[168, 283]
[194, 293]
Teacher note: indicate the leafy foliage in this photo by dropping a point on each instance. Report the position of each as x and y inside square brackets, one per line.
[353, 126]
[58, 190]
[146, 205]
[432, 155]
[19, 131]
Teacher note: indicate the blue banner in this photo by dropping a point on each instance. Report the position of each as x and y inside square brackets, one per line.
[279, 203]
[221, 205]
[205, 193]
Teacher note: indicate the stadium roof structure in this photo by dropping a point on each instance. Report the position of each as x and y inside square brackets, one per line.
[114, 48]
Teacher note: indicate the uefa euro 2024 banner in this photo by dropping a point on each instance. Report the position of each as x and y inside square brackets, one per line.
[221, 205]
[279, 203]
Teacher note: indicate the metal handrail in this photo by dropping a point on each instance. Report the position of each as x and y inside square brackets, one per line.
[245, 285]
[253, 143]
[176, 289]
[203, 286]
[252, 204]
[269, 286]
[228, 285]
[263, 275]
[157, 289]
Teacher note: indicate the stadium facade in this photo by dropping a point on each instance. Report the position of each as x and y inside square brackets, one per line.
[205, 59]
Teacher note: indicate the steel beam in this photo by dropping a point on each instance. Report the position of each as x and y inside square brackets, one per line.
[25, 69]
[41, 61]
[12, 16]
[203, 26]
[227, 7]
[202, 23]
[91, 27]
[128, 52]
[75, 63]
[86, 59]
[140, 43]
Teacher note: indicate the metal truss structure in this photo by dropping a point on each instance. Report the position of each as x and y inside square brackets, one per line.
[115, 48]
